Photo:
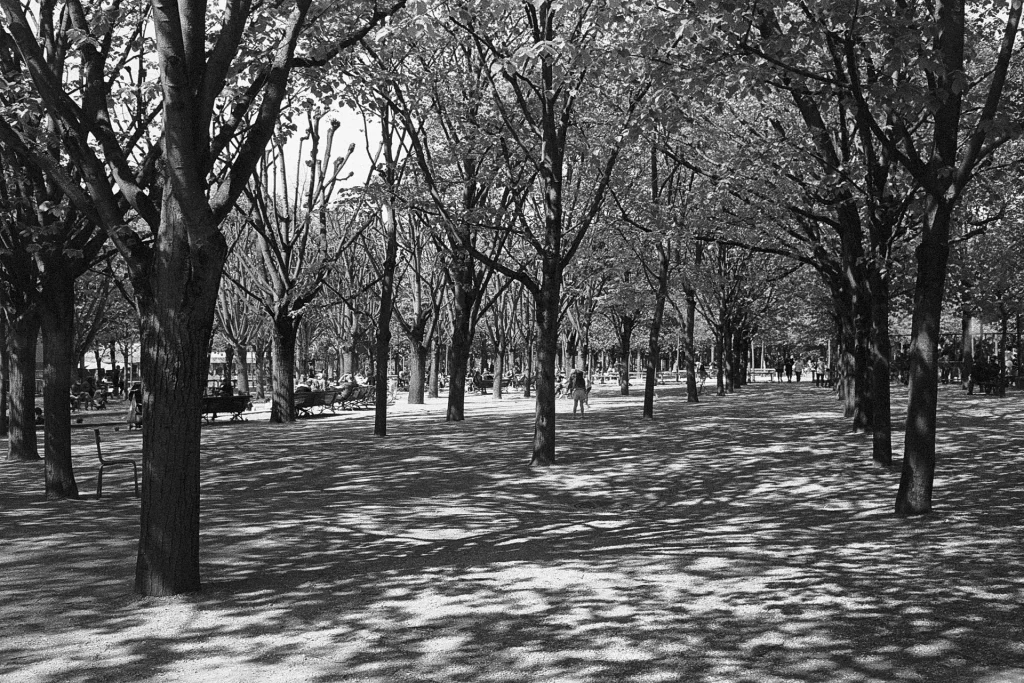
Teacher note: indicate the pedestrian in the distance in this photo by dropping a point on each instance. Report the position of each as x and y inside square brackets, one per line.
[798, 368]
[789, 368]
[578, 387]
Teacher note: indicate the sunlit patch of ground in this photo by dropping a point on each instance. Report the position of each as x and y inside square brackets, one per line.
[745, 538]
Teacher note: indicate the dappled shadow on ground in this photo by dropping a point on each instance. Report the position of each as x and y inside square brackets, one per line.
[746, 538]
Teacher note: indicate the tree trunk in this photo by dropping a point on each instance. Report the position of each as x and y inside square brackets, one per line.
[1004, 338]
[499, 370]
[435, 367]
[176, 319]
[229, 365]
[58, 327]
[4, 373]
[881, 352]
[21, 349]
[547, 351]
[967, 349]
[688, 348]
[260, 377]
[719, 348]
[242, 354]
[282, 379]
[417, 370]
[625, 340]
[915, 492]
[463, 297]
[387, 303]
[654, 341]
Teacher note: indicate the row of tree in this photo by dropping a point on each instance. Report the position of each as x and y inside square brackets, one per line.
[529, 156]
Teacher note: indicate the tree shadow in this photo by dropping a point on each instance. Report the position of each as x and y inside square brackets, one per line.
[744, 538]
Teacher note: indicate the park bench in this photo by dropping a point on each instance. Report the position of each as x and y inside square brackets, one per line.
[360, 397]
[106, 463]
[306, 402]
[233, 405]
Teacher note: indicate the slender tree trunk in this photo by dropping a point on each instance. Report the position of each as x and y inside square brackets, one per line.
[1020, 351]
[719, 348]
[260, 377]
[625, 340]
[21, 350]
[435, 365]
[417, 369]
[282, 378]
[688, 347]
[387, 303]
[242, 355]
[547, 351]
[654, 342]
[967, 349]
[881, 427]
[4, 373]
[175, 363]
[58, 327]
[1004, 339]
[499, 369]
[464, 298]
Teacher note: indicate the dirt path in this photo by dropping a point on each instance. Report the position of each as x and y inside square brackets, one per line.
[747, 538]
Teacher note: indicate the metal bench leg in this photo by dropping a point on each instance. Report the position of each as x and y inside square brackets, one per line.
[99, 483]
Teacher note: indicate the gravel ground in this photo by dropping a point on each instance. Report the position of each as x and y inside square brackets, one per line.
[744, 538]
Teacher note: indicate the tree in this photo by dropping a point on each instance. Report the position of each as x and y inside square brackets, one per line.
[207, 148]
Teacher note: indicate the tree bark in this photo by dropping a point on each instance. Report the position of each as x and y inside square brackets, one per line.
[881, 352]
[57, 314]
[463, 297]
[691, 370]
[387, 304]
[417, 369]
[654, 346]
[242, 355]
[282, 379]
[21, 349]
[915, 492]
[547, 351]
[176, 315]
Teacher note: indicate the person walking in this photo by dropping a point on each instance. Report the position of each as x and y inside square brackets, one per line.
[789, 368]
[798, 368]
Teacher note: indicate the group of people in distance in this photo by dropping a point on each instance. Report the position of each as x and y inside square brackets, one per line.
[794, 366]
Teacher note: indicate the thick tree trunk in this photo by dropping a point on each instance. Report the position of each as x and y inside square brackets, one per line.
[58, 327]
[21, 350]
[915, 492]
[282, 377]
[881, 352]
[177, 323]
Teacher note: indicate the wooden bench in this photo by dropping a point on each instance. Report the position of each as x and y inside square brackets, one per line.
[233, 405]
[305, 402]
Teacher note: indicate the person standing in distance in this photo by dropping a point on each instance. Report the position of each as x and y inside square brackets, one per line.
[578, 387]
